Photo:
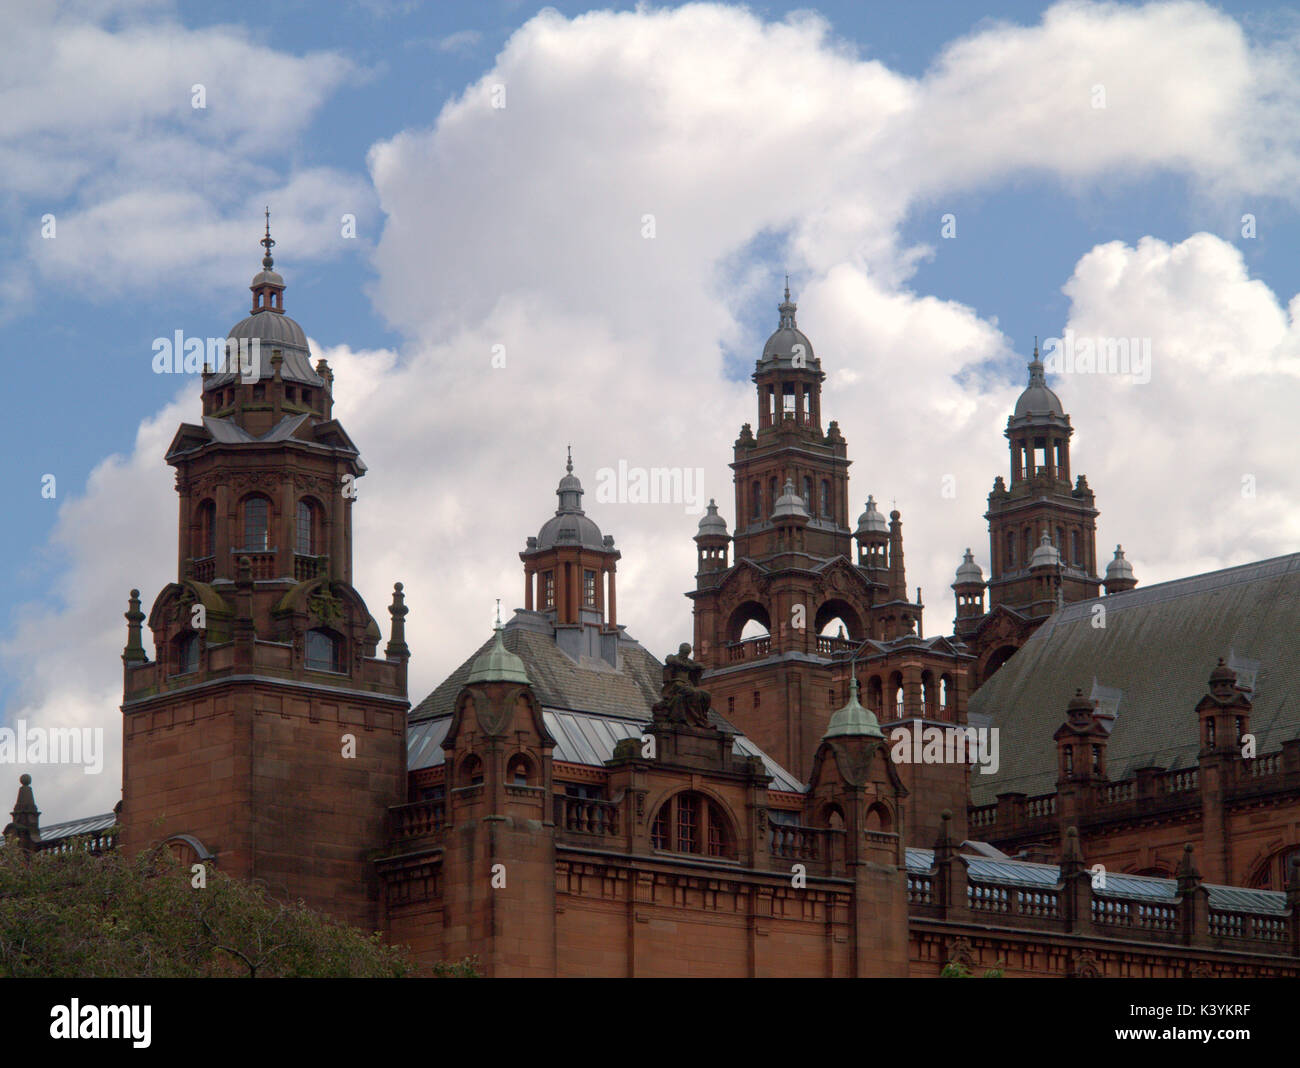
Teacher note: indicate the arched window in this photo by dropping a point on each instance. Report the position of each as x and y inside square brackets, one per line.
[205, 533]
[772, 494]
[945, 692]
[896, 694]
[808, 495]
[519, 768]
[826, 497]
[878, 819]
[187, 653]
[306, 529]
[471, 771]
[1011, 549]
[324, 651]
[1074, 549]
[257, 524]
[689, 822]
[875, 695]
[756, 499]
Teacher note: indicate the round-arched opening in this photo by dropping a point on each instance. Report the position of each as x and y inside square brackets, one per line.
[690, 822]
[879, 819]
[749, 620]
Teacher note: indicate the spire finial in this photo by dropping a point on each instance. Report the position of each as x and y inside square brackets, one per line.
[787, 308]
[267, 242]
[498, 613]
[569, 466]
[1035, 346]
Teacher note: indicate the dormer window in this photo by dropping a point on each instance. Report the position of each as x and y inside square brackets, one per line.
[187, 654]
[589, 588]
[548, 589]
[324, 651]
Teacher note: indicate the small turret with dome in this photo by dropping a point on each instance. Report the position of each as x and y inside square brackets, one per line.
[969, 590]
[1119, 574]
[569, 566]
[712, 540]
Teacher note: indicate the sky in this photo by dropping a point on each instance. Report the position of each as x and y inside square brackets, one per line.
[943, 182]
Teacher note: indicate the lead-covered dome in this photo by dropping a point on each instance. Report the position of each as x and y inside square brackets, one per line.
[570, 525]
[268, 325]
[1045, 555]
[788, 341]
[968, 571]
[1037, 399]
[871, 521]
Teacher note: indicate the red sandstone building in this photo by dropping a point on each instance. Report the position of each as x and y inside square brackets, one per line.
[566, 804]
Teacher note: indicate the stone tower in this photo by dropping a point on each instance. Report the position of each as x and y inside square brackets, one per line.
[776, 627]
[266, 733]
[1042, 534]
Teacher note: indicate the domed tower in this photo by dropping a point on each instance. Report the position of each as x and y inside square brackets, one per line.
[969, 590]
[712, 541]
[1040, 500]
[872, 537]
[1119, 574]
[266, 657]
[569, 573]
[776, 628]
[790, 444]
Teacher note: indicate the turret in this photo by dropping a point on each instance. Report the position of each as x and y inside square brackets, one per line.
[711, 541]
[969, 590]
[1119, 574]
[1080, 743]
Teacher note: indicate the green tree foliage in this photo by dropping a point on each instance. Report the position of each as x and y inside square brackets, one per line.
[74, 914]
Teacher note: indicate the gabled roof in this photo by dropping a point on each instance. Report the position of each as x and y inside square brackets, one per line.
[1157, 648]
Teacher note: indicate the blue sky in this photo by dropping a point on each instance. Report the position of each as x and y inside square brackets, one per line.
[368, 108]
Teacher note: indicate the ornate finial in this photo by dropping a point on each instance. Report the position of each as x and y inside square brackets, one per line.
[787, 309]
[498, 613]
[267, 242]
[569, 466]
[1035, 346]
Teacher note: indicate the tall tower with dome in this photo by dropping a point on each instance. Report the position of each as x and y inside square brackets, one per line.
[796, 599]
[267, 730]
[1042, 536]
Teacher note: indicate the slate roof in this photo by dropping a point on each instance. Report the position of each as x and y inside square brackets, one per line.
[589, 685]
[1028, 873]
[587, 705]
[1157, 650]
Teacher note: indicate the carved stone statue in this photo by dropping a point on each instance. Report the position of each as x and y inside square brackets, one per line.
[683, 700]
